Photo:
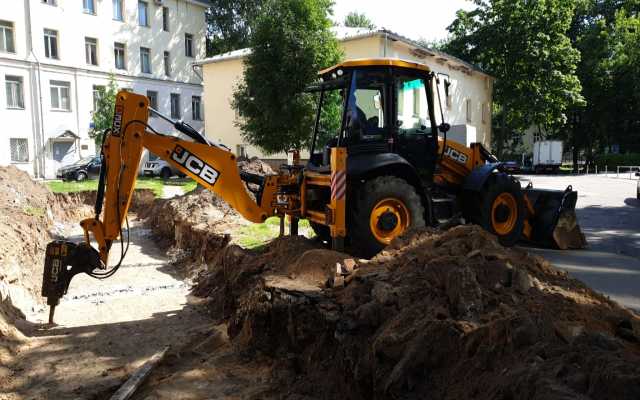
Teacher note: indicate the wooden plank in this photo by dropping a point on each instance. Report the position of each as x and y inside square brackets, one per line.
[133, 383]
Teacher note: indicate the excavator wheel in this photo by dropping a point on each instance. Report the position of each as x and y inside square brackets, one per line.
[381, 210]
[502, 209]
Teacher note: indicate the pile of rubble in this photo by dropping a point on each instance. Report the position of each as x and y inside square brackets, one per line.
[442, 315]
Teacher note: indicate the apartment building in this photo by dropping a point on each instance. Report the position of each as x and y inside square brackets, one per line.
[56, 54]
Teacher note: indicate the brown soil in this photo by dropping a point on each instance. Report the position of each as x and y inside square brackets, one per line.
[438, 315]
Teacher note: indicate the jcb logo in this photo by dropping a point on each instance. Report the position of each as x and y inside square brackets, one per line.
[117, 120]
[195, 165]
[456, 155]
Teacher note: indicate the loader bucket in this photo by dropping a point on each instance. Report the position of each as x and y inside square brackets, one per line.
[551, 219]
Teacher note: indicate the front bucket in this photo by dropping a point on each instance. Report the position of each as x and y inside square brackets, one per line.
[552, 218]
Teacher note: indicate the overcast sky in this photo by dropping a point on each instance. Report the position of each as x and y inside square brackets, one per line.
[412, 18]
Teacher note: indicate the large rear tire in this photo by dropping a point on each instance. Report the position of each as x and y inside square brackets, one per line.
[381, 210]
[502, 209]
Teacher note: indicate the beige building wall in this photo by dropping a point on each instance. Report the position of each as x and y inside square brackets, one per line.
[469, 101]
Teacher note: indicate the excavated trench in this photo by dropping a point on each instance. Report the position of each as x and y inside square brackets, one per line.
[441, 315]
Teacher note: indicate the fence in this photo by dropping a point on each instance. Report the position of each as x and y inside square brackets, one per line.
[631, 168]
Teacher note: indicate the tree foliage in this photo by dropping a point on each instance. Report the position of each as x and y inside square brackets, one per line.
[102, 118]
[524, 44]
[291, 40]
[357, 20]
[229, 24]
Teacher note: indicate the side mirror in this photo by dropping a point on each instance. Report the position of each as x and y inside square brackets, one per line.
[444, 127]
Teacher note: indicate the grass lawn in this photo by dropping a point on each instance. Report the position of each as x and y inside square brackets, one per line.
[254, 236]
[155, 184]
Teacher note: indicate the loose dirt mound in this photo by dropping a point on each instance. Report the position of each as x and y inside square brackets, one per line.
[448, 315]
[255, 166]
[194, 226]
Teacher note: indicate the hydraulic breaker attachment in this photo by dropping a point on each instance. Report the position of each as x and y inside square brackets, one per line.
[551, 219]
[63, 261]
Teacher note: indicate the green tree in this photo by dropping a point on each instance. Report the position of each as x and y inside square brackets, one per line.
[357, 20]
[229, 24]
[524, 44]
[102, 118]
[291, 40]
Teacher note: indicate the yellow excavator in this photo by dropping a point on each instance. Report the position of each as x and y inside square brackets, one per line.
[386, 167]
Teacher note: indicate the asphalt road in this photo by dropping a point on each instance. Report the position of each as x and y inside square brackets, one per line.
[609, 215]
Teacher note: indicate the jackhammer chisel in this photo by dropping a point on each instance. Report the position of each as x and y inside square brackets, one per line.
[63, 261]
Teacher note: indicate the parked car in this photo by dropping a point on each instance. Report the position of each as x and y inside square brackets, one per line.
[85, 168]
[638, 187]
[512, 167]
[158, 167]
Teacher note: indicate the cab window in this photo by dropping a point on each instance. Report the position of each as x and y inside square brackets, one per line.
[412, 111]
[366, 119]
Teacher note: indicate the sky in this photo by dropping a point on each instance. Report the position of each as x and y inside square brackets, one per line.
[415, 19]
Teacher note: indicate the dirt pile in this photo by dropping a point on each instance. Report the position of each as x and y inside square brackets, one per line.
[27, 214]
[193, 226]
[438, 315]
[254, 165]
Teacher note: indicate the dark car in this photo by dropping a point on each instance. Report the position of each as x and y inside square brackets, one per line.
[80, 170]
[638, 187]
[511, 167]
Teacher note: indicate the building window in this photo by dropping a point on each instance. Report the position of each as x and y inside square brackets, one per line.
[89, 6]
[145, 60]
[98, 90]
[167, 63]
[485, 113]
[118, 53]
[152, 95]
[15, 91]
[6, 37]
[188, 44]
[469, 111]
[196, 108]
[49, 2]
[51, 43]
[175, 106]
[241, 151]
[143, 15]
[19, 150]
[91, 50]
[117, 10]
[165, 19]
[60, 96]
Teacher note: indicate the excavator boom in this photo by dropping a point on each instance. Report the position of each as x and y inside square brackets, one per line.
[211, 166]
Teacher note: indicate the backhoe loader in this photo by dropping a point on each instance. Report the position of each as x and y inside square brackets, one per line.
[387, 167]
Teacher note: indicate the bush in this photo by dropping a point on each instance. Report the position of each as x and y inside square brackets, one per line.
[611, 161]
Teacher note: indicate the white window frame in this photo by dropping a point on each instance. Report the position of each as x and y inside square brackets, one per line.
[196, 109]
[14, 88]
[57, 89]
[145, 51]
[120, 48]
[143, 5]
[118, 10]
[89, 6]
[96, 95]
[16, 157]
[166, 59]
[51, 44]
[188, 45]
[166, 19]
[91, 50]
[7, 38]
[176, 111]
[153, 94]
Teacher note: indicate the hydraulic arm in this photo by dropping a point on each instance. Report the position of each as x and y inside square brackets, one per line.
[214, 167]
